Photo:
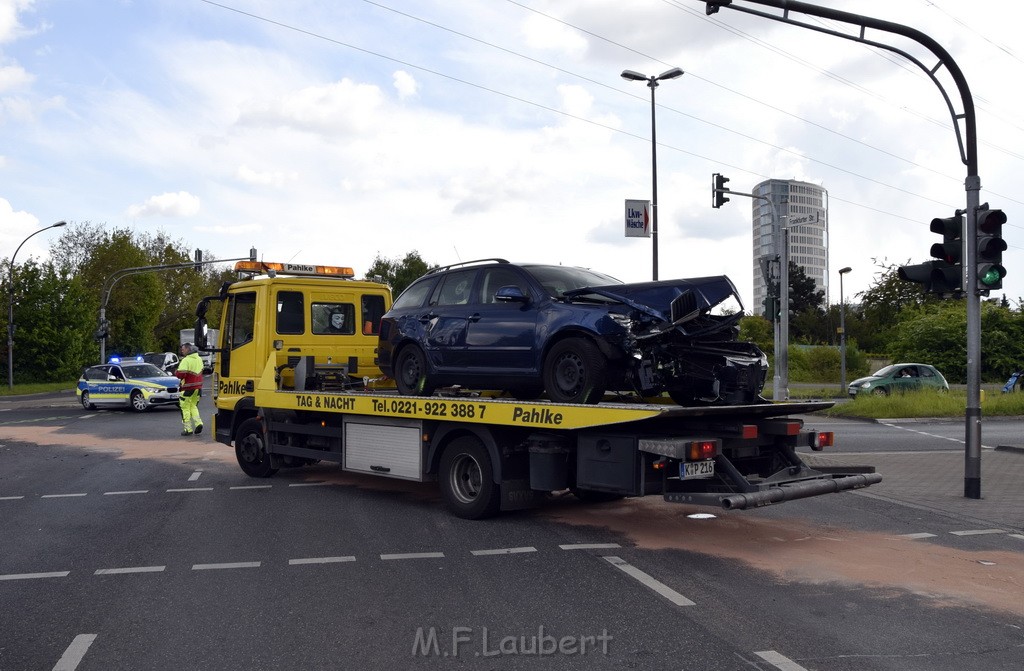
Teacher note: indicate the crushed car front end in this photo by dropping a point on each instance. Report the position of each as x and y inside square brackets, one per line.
[684, 341]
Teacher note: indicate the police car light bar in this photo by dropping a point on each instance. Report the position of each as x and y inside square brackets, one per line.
[262, 267]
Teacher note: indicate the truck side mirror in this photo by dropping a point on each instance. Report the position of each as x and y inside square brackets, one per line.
[200, 333]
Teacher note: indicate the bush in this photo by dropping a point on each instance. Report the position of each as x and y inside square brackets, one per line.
[821, 363]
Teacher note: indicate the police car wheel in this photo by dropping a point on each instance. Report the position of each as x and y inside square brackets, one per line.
[86, 403]
[138, 401]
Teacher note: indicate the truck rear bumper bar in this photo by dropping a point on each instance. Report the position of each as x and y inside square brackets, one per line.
[778, 493]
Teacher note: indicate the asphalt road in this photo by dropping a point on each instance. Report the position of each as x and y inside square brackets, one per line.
[126, 546]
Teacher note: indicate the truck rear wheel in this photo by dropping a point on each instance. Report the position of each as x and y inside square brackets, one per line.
[467, 480]
[251, 450]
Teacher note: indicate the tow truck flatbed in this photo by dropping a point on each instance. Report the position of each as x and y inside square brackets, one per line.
[493, 454]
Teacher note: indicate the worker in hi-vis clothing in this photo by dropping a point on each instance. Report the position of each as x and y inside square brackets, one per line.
[190, 372]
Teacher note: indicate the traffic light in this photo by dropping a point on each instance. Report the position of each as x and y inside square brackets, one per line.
[944, 276]
[920, 273]
[717, 190]
[252, 253]
[990, 271]
[948, 272]
[199, 260]
[103, 332]
[771, 308]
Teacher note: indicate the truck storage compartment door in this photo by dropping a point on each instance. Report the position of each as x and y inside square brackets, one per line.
[608, 463]
[384, 446]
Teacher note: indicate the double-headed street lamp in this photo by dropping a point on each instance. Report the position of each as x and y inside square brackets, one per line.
[842, 332]
[652, 83]
[10, 307]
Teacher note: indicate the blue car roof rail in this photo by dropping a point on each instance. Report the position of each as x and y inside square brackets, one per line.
[441, 269]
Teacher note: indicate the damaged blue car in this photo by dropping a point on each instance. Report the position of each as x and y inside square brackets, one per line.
[570, 334]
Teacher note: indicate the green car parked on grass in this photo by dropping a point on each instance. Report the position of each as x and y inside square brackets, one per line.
[899, 378]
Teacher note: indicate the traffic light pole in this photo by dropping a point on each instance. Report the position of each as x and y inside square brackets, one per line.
[125, 272]
[968, 145]
[780, 380]
[972, 416]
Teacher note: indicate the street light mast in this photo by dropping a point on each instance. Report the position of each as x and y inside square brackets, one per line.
[10, 306]
[652, 83]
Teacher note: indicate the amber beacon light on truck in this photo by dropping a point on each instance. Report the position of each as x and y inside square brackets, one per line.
[273, 269]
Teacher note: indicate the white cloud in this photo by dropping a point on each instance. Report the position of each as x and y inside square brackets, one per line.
[405, 84]
[10, 26]
[265, 178]
[13, 77]
[339, 107]
[180, 204]
[547, 35]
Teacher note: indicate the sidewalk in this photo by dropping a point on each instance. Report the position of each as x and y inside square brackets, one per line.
[935, 481]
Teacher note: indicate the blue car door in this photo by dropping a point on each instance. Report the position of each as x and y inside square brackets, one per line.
[501, 336]
[446, 318]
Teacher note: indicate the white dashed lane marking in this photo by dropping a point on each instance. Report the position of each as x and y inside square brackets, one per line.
[959, 441]
[75, 652]
[649, 582]
[502, 551]
[413, 555]
[779, 661]
[195, 476]
[977, 532]
[568, 547]
[129, 569]
[320, 560]
[227, 565]
[35, 576]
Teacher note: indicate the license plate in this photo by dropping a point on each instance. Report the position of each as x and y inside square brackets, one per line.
[695, 470]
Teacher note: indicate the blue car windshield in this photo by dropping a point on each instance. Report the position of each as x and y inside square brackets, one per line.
[142, 370]
[557, 280]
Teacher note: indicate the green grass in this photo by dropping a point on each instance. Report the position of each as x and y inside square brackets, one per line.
[927, 404]
[38, 388]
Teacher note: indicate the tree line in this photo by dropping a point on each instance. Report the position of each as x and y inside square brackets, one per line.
[57, 304]
[894, 319]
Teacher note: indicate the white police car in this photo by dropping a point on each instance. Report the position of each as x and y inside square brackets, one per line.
[136, 384]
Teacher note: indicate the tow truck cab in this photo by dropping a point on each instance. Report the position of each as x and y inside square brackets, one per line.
[314, 310]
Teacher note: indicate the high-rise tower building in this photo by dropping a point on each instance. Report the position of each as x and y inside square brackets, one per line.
[801, 209]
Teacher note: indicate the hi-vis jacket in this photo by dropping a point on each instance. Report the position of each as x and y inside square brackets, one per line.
[190, 372]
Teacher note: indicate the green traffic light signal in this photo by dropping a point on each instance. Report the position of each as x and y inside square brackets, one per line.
[990, 247]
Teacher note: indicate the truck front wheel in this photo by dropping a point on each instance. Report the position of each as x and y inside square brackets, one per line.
[467, 480]
[251, 450]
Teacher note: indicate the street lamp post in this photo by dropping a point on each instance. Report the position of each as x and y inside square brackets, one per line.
[842, 331]
[652, 83]
[10, 307]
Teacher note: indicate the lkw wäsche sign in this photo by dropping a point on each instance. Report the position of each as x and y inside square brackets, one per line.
[638, 218]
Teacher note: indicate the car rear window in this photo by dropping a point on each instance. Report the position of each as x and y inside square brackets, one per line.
[414, 295]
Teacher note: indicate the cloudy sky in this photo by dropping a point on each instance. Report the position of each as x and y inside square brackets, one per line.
[334, 131]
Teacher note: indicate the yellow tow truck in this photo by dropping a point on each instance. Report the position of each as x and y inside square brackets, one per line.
[291, 390]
